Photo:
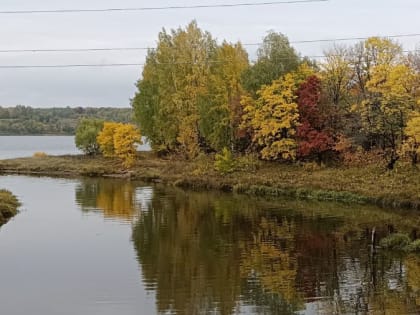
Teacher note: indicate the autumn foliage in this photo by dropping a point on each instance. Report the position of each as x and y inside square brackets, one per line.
[312, 134]
[119, 140]
[196, 96]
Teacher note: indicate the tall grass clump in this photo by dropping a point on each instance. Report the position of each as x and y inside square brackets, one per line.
[225, 162]
[8, 205]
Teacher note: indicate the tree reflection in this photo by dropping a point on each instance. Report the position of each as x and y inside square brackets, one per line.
[220, 253]
[115, 199]
[202, 253]
[214, 253]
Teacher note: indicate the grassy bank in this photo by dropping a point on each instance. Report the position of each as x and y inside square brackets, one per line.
[8, 206]
[372, 184]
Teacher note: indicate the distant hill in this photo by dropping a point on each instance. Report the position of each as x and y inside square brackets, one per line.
[25, 120]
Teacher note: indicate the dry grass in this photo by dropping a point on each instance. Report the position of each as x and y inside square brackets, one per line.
[8, 206]
[368, 184]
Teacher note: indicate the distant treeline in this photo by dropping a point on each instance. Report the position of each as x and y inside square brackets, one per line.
[25, 120]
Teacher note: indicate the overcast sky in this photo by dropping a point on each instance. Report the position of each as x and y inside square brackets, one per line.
[115, 86]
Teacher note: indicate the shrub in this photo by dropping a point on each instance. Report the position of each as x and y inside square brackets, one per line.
[40, 154]
[225, 162]
[413, 247]
[87, 132]
[8, 205]
[248, 163]
[396, 241]
[119, 140]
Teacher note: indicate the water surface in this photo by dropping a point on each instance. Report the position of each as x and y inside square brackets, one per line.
[101, 246]
[26, 146]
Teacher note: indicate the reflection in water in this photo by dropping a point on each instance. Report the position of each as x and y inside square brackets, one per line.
[206, 253]
[219, 253]
[116, 199]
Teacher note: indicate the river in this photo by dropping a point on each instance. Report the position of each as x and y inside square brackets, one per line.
[26, 146]
[105, 246]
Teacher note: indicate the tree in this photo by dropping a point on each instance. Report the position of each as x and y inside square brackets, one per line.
[313, 136]
[126, 138]
[105, 138]
[412, 142]
[119, 140]
[275, 59]
[220, 110]
[175, 78]
[386, 110]
[384, 89]
[86, 133]
[338, 78]
[273, 117]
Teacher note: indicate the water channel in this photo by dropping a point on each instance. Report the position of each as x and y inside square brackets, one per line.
[105, 246]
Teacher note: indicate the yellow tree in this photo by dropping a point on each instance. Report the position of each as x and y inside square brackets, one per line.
[390, 103]
[105, 138]
[384, 92]
[126, 138]
[411, 145]
[273, 117]
[119, 140]
[337, 78]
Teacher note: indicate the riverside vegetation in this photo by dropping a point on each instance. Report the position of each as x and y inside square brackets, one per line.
[345, 128]
[8, 206]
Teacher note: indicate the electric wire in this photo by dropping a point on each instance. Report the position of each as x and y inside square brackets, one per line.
[178, 7]
[38, 50]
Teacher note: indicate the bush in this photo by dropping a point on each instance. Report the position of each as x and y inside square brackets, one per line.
[248, 163]
[413, 247]
[86, 133]
[8, 205]
[225, 162]
[40, 154]
[119, 140]
[397, 241]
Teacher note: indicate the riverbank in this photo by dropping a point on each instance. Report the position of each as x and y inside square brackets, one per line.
[370, 184]
[8, 206]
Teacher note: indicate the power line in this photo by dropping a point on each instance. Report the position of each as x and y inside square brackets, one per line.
[70, 66]
[141, 64]
[35, 50]
[180, 7]
[344, 39]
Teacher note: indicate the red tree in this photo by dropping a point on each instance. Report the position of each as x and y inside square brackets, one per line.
[313, 137]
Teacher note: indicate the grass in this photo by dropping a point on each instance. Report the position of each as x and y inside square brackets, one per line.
[401, 242]
[8, 206]
[396, 241]
[370, 184]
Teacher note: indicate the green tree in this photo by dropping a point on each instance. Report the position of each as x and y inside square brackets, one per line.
[174, 78]
[220, 109]
[86, 133]
[275, 59]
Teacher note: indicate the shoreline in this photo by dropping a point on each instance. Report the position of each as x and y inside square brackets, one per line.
[8, 206]
[369, 184]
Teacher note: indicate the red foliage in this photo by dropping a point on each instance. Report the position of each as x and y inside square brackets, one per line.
[313, 136]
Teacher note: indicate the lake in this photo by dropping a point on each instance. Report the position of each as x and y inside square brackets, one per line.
[25, 146]
[106, 246]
